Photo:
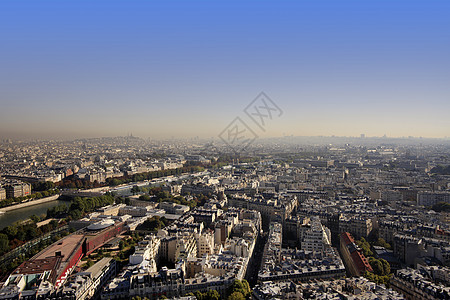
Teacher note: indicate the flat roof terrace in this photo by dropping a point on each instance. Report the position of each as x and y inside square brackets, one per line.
[64, 247]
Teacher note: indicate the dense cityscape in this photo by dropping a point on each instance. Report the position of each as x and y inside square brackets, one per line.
[224, 150]
[292, 218]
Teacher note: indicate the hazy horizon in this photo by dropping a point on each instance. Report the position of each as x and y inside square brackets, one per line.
[184, 69]
[299, 139]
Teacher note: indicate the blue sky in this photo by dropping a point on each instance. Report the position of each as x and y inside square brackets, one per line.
[187, 68]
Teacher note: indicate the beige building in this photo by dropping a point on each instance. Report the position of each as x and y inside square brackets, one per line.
[205, 244]
[17, 189]
[358, 227]
[175, 247]
[2, 194]
[111, 210]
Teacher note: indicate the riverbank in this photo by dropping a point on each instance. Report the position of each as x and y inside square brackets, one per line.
[21, 214]
[29, 203]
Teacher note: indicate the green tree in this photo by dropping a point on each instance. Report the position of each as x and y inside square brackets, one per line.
[89, 263]
[154, 223]
[35, 218]
[236, 296]
[381, 242]
[246, 287]
[365, 247]
[75, 214]
[144, 198]
[212, 295]
[199, 295]
[4, 243]
[42, 186]
[11, 231]
[386, 267]
[376, 265]
[241, 287]
[135, 190]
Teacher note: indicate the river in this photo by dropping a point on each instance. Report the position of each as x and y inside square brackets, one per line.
[20, 214]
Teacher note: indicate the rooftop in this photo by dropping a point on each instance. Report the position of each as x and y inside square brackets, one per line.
[63, 247]
[37, 266]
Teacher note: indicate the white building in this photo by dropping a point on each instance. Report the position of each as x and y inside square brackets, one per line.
[316, 237]
[148, 250]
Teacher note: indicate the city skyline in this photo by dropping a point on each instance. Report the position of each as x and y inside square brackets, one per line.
[176, 69]
[224, 150]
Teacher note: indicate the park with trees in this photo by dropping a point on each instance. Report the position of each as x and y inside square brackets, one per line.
[381, 268]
